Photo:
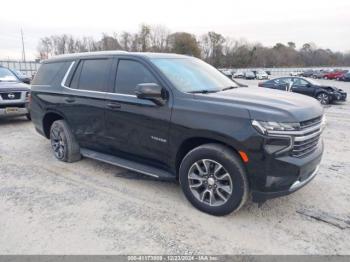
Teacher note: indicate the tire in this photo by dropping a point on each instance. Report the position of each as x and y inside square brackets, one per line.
[323, 98]
[231, 175]
[28, 117]
[63, 143]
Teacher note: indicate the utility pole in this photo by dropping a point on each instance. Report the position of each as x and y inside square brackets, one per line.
[23, 50]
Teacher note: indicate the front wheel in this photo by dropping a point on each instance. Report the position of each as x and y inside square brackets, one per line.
[323, 98]
[213, 179]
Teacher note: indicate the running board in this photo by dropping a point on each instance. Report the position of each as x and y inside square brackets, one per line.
[128, 164]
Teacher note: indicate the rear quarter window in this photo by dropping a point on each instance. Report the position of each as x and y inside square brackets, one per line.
[50, 73]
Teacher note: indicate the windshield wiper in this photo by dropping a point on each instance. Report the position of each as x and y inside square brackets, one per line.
[204, 91]
[228, 88]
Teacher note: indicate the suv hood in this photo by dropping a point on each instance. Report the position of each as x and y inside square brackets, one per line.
[267, 104]
[13, 86]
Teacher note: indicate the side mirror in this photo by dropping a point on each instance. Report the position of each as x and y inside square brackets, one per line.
[152, 92]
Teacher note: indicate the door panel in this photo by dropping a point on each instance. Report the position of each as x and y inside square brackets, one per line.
[302, 87]
[138, 127]
[85, 116]
[84, 101]
[135, 126]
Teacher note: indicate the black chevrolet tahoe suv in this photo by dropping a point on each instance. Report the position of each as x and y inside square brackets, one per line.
[175, 117]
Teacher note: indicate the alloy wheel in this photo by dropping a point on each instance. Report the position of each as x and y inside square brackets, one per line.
[57, 143]
[323, 98]
[209, 182]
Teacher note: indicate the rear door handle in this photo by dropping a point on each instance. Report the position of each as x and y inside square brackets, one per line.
[114, 105]
[70, 99]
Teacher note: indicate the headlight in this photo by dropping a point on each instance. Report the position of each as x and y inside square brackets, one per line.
[264, 127]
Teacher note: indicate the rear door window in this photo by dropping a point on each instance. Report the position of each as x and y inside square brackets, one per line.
[75, 80]
[91, 75]
[281, 81]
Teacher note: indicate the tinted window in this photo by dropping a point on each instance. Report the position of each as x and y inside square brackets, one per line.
[281, 81]
[300, 82]
[130, 74]
[93, 75]
[50, 72]
[75, 80]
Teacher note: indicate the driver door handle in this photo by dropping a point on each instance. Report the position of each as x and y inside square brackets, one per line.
[70, 99]
[114, 105]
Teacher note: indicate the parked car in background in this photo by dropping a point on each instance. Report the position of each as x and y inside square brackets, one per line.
[238, 74]
[176, 117]
[324, 94]
[226, 72]
[338, 77]
[249, 75]
[307, 73]
[14, 95]
[319, 74]
[334, 74]
[22, 77]
[260, 75]
[345, 77]
[294, 73]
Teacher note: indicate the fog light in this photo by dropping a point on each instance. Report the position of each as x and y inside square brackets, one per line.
[280, 144]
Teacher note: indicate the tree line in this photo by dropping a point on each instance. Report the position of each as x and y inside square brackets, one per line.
[214, 48]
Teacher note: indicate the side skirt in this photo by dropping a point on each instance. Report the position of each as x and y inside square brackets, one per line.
[129, 164]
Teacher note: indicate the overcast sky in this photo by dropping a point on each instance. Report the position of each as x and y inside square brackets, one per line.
[324, 22]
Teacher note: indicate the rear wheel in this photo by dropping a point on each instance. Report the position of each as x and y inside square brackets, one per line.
[323, 98]
[63, 143]
[28, 117]
[213, 179]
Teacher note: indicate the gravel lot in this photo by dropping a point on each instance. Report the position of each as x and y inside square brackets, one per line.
[50, 207]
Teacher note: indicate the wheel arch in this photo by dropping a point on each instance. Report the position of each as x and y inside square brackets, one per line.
[192, 142]
[323, 91]
[48, 119]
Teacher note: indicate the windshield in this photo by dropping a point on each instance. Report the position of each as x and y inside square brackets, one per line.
[19, 73]
[192, 75]
[7, 76]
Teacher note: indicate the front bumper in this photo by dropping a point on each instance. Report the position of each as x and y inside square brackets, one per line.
[297, 172]
[17, 111]
[259, 196]
[339, 96]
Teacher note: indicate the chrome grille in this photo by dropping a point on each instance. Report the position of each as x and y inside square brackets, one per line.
[311, 122]
[10, 95]
[306, 140]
